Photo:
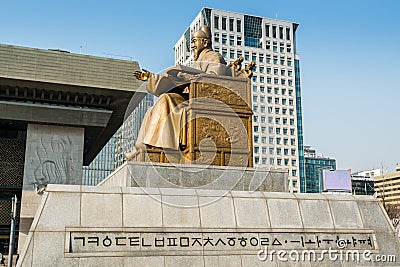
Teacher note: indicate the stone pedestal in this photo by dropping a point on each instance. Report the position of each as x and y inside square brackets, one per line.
[124, 226]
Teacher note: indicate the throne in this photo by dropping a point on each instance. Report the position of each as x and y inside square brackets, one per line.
[217, 128]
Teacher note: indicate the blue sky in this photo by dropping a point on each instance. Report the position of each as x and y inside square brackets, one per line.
[349, 57]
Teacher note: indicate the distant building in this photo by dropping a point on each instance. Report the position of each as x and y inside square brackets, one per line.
[387, 186]
[362, 186]
[362, 182]
[113, 153]
[314, 164]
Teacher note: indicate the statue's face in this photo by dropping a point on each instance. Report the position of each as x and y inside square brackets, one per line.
[198, 45]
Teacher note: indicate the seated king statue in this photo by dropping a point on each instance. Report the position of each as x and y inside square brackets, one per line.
[162, 124]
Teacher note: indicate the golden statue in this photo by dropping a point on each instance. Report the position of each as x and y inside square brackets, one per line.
[163, 123]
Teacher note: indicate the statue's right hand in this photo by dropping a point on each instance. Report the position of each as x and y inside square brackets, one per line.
[143, 75]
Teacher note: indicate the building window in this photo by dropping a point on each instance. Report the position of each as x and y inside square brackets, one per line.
[285, 142]
[255, 128]
[293, 152]
[278, 140]
[263, 139]
[273, 31]
[264, 161]
[292, 131]
[224, 50]
[255, 108]
[262, 98]
[255, 118]
[276, 81]
[278, 130]
[256, 139]
[262, 118]
[239, 41]
[283, 101]
[267, 33]
[232, 54]
[261, 79]
[288, 34]
[231, 24]
[270, 130]
[238, 25]
[264, 150]
[269, 109]
[278, 151]
[224, 23]
[254, 57]
[231, 40]
[280, 32]
[290, 82]
[291, 102]
[277, 121]
[289, 73]
[291, 121]
[284, 111]
[261, 58]
[246, 55]
[271, 140]
[261, 68]
[254, 88]
[292, 142]
[271, 161]
[279, 161]
[286, 162]
[285, 131]
[224, 38]
[269, 90]
[262, 109]
[216, 22]
[276, 110]
[254, 98]
[294, 173]
[263, 129]
[291, 111]
[256, 159]
[256, 149]
[271, 150]
[268, 60]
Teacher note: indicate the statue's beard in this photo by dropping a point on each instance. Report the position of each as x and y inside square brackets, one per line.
[195, 54]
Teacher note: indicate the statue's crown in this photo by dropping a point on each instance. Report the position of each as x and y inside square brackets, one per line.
[203, 32]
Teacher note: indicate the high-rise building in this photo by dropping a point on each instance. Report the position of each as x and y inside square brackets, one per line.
[315, 163]
[271, 44]
[387, 187]
[113, 153]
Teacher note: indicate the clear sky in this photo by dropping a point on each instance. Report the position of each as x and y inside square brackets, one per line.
[349, 57]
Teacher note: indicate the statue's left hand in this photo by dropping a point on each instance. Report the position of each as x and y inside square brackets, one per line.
[143, 75]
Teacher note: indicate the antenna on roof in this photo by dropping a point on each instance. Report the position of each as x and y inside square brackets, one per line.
[80, 49]
[276, 15]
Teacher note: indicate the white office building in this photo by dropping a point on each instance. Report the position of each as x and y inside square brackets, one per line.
[271, 44]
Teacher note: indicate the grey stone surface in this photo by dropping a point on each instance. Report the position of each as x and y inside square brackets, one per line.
[237, 217]
[284, 213]
[217, 213]
[134, 215]
[164, 175]
[341, 218]
[101, 210]
[246, 208]
[315, 213]
[223, 261]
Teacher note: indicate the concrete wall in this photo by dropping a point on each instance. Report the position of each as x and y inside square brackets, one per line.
[54, 154]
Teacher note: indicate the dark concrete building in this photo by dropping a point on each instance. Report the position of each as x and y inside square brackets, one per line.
[58, 110]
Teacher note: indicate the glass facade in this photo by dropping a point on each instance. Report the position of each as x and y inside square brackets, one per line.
[252, 31]
[299, 126]
[113, 153]
[362, 186]
[314, 167]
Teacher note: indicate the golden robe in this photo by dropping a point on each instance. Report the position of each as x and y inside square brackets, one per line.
[162, 124]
